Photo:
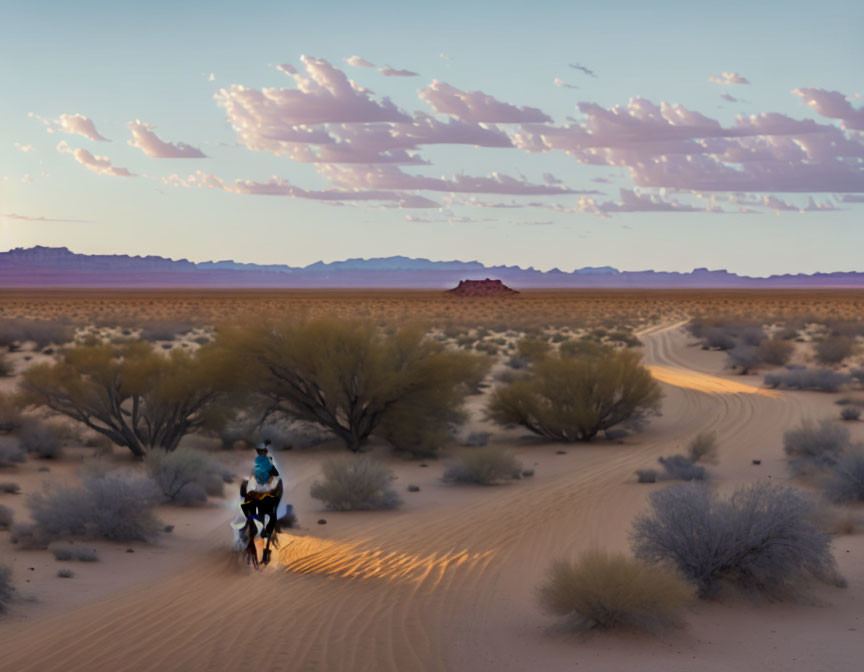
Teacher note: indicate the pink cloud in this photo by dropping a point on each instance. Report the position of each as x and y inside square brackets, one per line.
[74, 124]
[390, 177]
[101, 165]
[148, 142]
[387, 71]
[728, 78]
[476, 106]
[326, 95]
[32, 218]
[279, 186]
[833, 105]
[24, 148]
[358, 62]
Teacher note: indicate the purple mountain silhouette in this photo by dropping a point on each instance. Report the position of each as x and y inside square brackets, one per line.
[59, 267]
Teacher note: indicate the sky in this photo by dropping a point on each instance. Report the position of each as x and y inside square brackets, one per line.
[667, 135]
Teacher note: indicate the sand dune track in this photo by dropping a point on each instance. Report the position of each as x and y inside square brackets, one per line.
[446, 587]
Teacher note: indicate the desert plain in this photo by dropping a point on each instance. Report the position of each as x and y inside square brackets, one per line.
[447, 581]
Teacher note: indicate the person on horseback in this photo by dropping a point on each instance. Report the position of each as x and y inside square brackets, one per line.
[263, 471]
[261, 494]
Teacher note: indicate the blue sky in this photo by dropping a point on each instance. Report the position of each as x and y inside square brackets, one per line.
[659, 204]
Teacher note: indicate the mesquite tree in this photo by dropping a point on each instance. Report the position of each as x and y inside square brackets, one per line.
[572, 398]
[355, 379]
[137, 397]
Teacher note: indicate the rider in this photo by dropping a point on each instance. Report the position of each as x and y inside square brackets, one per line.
[263, 471]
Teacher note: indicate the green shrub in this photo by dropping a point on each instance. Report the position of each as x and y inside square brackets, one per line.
[6, 589]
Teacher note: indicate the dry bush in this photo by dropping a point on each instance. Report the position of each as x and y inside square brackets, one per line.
[610, 590]
[8, 488]
[844, 481]
[834, 349]
[574, 398]
[761, 539]
[646, 475]
[65, 552]
[6, 367]
[10, 413]
[116, 507]
[7, 516]
[43, 440]
[822, 380]
[14, 333]
[11, 454]
[814, 447]
[703, 447]
[6, 589]
[184, 475]
[484, 466]
[356, 380]
[355, 483]
[776, 351]
[681, 468]
[850, 413]
[743, 358]
[136, 397]
[533, 349]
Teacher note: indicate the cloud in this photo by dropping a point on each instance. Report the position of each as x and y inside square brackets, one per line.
[148, 142]
[561, 84]
[74, 124]
[387, 71]
[279, 186]
[358, 62]
[325, 96]
[390, 177]
[728, 78]
[728, 98]
[24, 148]
[101, 165]
[32, 218]
[476, 106]
[833, 105]
[211, 77]
[582, 68]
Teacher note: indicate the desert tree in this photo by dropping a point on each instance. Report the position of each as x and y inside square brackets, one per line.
[135, 396]
[356, 379]
[573, 398]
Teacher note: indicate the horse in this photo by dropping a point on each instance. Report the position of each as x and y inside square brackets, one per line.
[258, 506]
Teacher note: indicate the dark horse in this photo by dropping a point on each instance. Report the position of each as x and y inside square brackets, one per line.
[260, 506]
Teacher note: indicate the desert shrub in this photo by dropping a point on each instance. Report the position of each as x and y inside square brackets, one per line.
[646, 475]
[6, 589]
[477, 439]
[6, 367]
[8, 488]
[355, 483]
[719, 338]
[164, 331]
[7, 516]
[11, 454]
[743, 358]
[775, 351]
[574, 398]
[609, 590]
[681, 468]
[41, 332]
[41, 439]
[10, 414]
[844, 481]
[822, 380]
[484, 466]
[703, 447]
[625, 338]
[813, 447]
[356, 380]
[532, 349]
[583, 347]
[65, 573]
[850, 413]
[133, 395]
[517, 362]
[116, 507]
[834, 349]
[184, 475]
[28, 537]
[760, 539]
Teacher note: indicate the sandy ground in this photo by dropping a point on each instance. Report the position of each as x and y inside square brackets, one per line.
[447, 582]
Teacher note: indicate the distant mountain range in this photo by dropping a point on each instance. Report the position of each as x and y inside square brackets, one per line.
[42, 267]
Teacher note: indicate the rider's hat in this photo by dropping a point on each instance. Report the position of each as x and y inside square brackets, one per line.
[263, 447]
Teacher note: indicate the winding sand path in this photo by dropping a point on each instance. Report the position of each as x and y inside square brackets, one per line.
[448, 582]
